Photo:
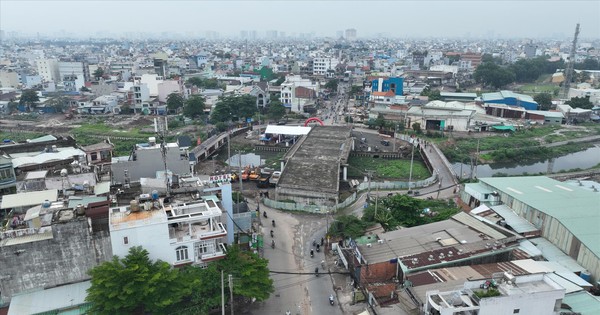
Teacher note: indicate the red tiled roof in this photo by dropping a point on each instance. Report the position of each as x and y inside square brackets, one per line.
[304, 92]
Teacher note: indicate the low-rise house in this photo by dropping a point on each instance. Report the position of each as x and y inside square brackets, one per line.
[506, 294]
[461, 240]
[178, 233]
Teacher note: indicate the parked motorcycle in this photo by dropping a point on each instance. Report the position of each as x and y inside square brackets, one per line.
[331, 299]
[317, 271]
[265, 214]
[312, 254]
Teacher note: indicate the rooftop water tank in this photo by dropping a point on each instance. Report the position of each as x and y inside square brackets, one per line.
[134, 206]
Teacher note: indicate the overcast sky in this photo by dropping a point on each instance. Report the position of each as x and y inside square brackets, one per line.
[474, 18]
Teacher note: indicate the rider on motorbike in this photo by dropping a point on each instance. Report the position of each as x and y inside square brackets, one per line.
[271, 233]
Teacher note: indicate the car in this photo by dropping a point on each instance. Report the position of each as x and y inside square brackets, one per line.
[385, 142]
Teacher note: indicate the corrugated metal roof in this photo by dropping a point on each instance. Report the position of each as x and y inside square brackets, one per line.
[553, 253]
[576, 208]
[47, 157]
[582, 302]
[61, 297]
[31, 198]
[478, 225]
[517, 223]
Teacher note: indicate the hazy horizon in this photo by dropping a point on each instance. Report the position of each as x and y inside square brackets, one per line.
[403, 19]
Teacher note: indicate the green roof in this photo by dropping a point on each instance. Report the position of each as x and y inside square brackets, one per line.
[582, 302]
[576, 208]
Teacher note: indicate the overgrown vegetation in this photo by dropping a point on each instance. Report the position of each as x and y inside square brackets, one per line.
[487, 293]
[387, 169]
[521, 145]
[393, 212]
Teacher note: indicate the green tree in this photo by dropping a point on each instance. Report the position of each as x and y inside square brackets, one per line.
[416, 127]
[175, 101]
[276, 110]
[234, 108]
[349, 226]
[544, 100]
[250, 273]
[13, 106]
[356, 90]
[99, 73]
[204, 83]
[279, 81]
[126, 109]
[380, 121]
[580, 102]
[59, 103]
[332, 85]
[194, 106]
[29, 98]
[491, 74]
[135, 284]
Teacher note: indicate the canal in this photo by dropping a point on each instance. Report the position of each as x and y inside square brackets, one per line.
[579, 160]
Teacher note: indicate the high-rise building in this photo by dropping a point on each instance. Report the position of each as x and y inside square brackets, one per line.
[351, 34]
[48, 70]
[272, 34]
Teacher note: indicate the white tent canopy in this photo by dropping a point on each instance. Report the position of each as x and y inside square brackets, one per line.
[288, 130]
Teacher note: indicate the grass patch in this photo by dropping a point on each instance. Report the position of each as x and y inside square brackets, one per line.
[387, 169]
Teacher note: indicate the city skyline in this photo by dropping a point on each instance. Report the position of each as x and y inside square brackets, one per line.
[396, 19]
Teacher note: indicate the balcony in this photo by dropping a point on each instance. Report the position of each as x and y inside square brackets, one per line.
[215, 255]
[206, 230]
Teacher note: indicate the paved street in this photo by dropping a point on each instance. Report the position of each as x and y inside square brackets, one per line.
[293, 271]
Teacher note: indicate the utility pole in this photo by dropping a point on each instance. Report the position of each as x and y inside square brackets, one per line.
[229, 153]
[240, 176]
[412, 156]
[222, 295]
[369, 174]
[230, 277]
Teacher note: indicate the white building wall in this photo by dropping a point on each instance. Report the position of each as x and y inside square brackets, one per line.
[152, 81]
[71, 67]
[9, 79]
[167, 87]
[152, 237]
[540, 303]
[48, 70]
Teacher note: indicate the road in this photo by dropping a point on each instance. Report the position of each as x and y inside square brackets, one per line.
[292, 269]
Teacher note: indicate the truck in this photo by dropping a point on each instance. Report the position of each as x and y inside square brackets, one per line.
[274, 178]
[265, 176]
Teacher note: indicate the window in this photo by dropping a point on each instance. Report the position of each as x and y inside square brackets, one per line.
[182, 253]
[94, 156]
[516, 311]
[125, 240]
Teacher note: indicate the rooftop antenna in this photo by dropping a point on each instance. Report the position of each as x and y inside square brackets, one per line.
[570, 64]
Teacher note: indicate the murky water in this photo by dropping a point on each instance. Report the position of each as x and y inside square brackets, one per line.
[582, 159]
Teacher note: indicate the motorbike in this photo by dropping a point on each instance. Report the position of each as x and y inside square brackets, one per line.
[322, 241]
[312, 254]
[288, 312]
[314, 242]
[273, 222]
[265, 214]
[331, 299]
[272, 233]
[317, 271]
[272, 244]
[318, 248]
